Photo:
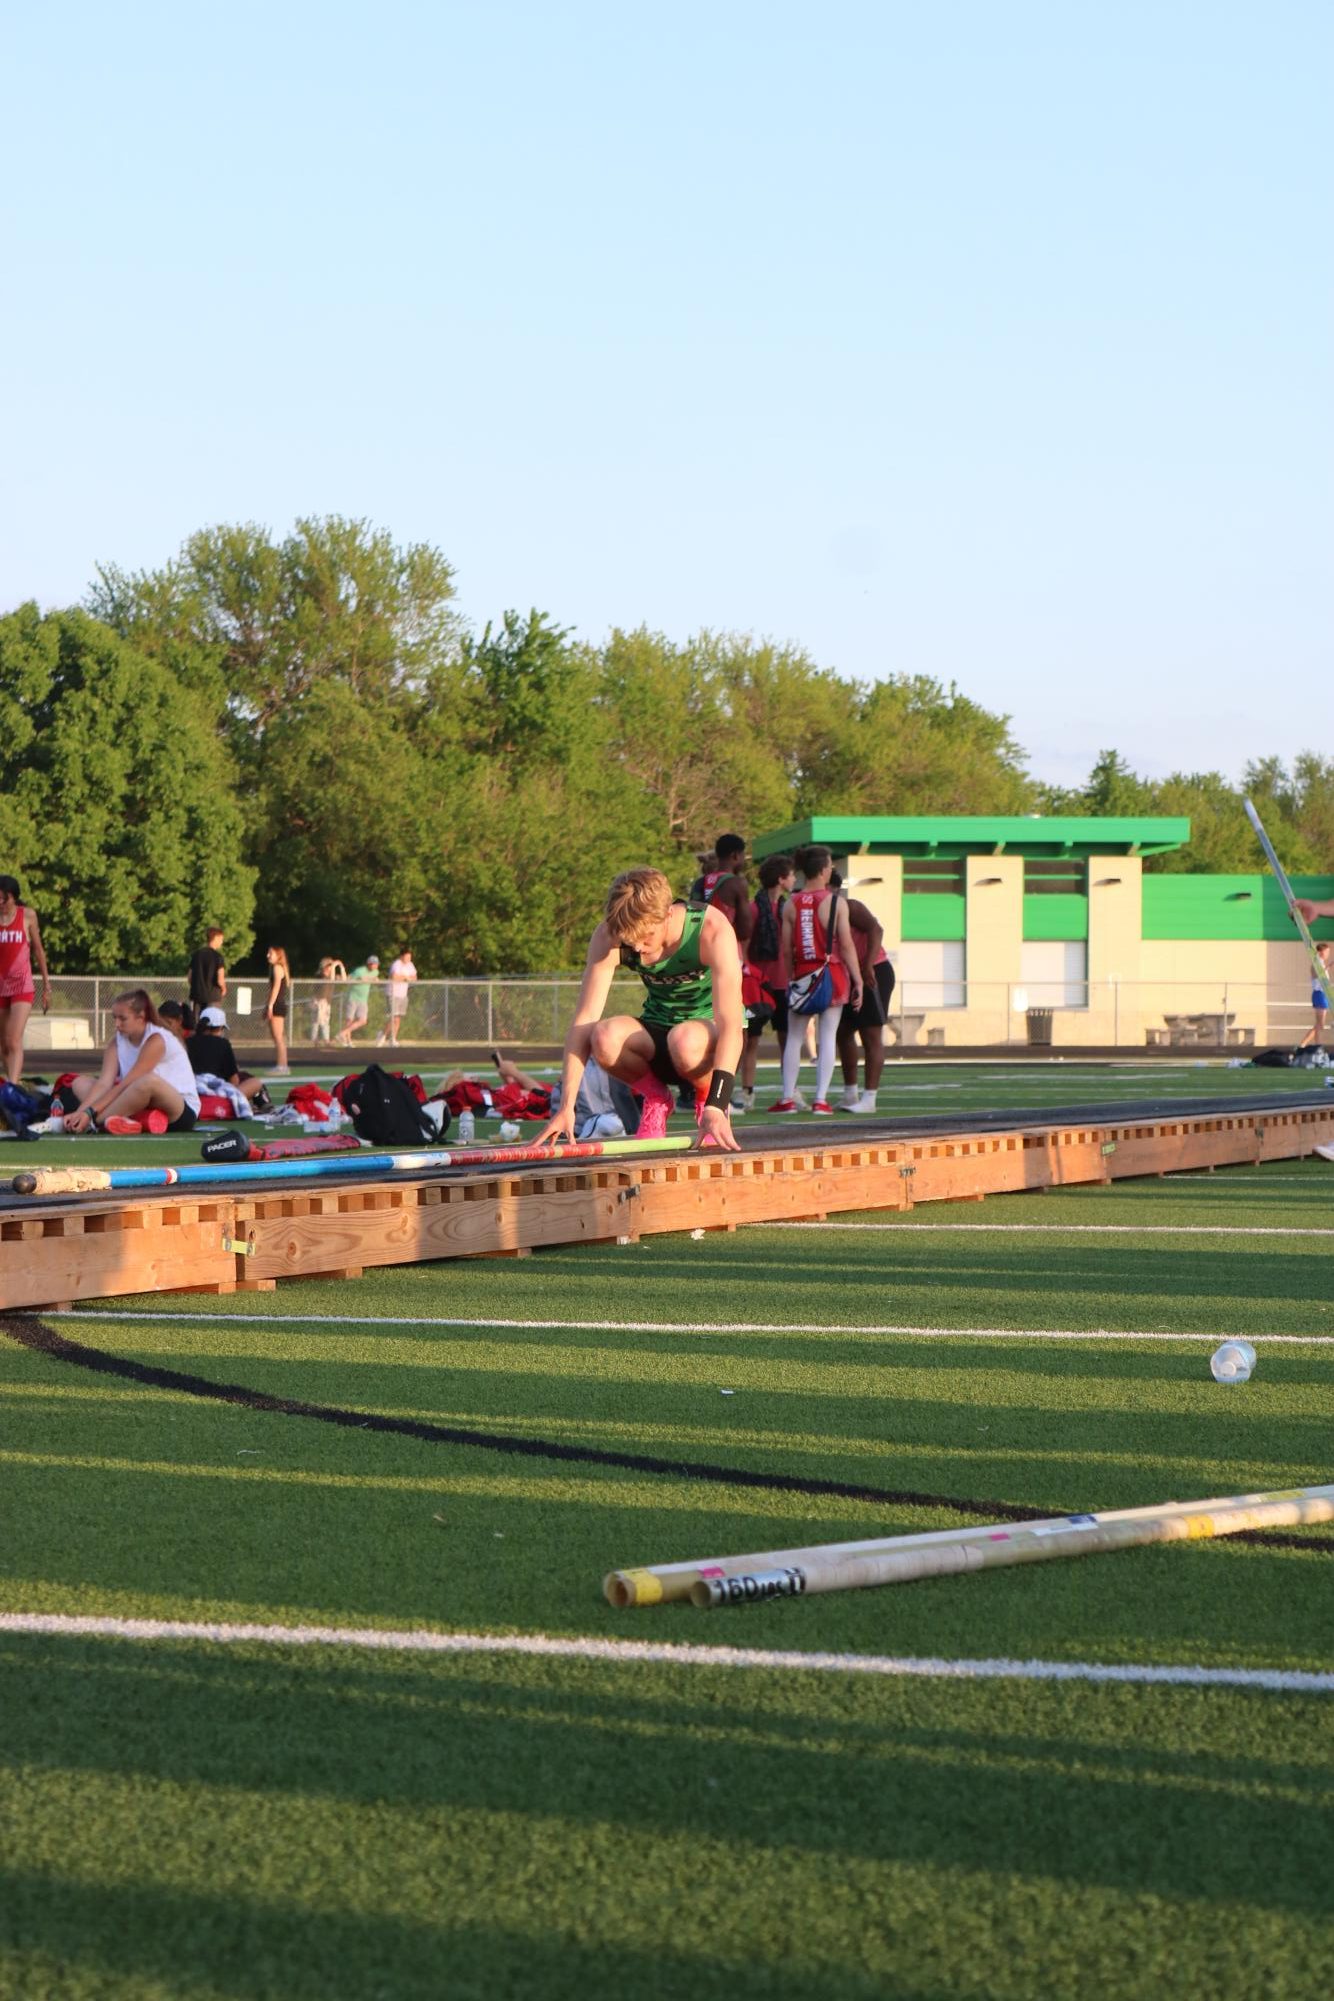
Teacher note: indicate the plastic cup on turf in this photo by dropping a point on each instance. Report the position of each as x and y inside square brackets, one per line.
[1233, 1362]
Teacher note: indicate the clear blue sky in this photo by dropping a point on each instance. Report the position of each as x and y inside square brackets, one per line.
[991, 341]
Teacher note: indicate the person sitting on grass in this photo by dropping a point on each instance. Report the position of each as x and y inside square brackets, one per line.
[212, 1057]
[145, 1083]
[693, 1024]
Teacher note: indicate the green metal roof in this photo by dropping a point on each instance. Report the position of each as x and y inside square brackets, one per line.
[954, 834]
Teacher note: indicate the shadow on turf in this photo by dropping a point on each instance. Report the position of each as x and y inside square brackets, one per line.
[449, 1741]
[258, 1952]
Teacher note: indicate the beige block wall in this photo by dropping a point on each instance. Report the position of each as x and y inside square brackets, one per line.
[1134, 982]
[884, 899]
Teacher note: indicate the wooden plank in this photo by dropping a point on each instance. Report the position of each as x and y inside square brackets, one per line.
[58, 1254]
[512, 1219]
[53, 1261]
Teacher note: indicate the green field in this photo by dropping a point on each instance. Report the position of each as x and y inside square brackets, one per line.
[921, 1810]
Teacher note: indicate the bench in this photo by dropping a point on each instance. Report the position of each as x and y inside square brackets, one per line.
[1195, 1031]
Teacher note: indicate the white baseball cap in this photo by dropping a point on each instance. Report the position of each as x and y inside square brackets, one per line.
[213, 1017]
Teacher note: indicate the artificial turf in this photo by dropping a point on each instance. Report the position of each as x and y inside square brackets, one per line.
[187, 1819]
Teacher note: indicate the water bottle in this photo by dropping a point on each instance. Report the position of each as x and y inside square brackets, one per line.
[1233, 1362]
[467, 1128]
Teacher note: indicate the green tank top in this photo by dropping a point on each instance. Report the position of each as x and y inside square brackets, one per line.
[678, 987]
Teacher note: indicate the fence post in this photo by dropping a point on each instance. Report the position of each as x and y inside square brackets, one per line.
[490, 1014]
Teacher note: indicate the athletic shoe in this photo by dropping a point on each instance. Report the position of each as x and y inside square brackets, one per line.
[786, 1105]
[120, 1128]
[657, 1102]
[866, 1102]
[822, 1109]
[739, 1106]
[156, 1121]
[848, 1102]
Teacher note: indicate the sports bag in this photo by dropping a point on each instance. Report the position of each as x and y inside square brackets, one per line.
[814, 991]
[386, 1111]
[19, 1108]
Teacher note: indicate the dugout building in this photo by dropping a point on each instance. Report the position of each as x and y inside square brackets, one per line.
[1025, 929]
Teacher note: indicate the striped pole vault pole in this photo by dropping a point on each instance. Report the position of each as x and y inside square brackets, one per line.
[370, 1165]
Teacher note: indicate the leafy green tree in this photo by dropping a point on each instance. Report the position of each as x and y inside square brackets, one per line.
[255, 625]
[924, 748]
[119, 797]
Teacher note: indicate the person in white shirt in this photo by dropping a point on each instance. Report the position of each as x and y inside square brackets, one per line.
[401, 975]
[145, 1083]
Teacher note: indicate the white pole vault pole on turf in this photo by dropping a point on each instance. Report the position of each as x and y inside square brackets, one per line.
[852, 1566]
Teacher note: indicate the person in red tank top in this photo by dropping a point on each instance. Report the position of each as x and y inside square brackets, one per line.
[724, 886]
[778, 874]
[868, 1021]
[809, 919]
[20, 943]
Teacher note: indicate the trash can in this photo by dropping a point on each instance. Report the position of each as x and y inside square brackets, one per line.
[1039, 1027]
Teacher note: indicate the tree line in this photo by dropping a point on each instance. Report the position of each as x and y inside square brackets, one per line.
[300, 740]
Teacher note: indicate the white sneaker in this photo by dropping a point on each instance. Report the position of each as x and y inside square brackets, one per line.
[739, 1107]
[800, 1102]
[848, 1102]
[865, 1103]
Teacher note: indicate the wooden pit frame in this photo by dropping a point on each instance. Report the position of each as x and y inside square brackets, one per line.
[56, 1254]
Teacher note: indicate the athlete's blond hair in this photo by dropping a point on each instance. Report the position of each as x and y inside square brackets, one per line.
[637, 899]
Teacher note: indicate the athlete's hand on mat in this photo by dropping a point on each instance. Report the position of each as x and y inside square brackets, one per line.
[77, 1122]
[560, 1129]
[715, 1129]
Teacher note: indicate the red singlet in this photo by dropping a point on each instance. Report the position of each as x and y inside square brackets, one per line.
[16, 960]
[808, 941]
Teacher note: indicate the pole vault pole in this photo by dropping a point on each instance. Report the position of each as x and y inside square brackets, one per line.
[370, 1165]
[1319, 969]
[710, 1582]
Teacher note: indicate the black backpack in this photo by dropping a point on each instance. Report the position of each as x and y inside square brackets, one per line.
[386, 1112]
[766, 938]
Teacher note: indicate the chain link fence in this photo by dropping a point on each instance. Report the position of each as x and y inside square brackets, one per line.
[534, 1012]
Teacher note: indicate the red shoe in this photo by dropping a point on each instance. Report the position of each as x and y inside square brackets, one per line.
[822, 1109]
[121, 1128]
[658, 1103]
[784, 1105]
[156, 1121]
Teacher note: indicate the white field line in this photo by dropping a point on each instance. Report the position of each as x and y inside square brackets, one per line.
[1286, 1680]
[685, 1327]
[1070, 1229]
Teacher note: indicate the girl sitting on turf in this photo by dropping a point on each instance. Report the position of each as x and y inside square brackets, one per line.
[145, 1083]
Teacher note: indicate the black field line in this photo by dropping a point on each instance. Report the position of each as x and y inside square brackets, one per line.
[33, 1333]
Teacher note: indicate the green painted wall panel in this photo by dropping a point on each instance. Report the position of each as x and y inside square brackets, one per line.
[1226, 906]
[1056, 917]
[934, 917]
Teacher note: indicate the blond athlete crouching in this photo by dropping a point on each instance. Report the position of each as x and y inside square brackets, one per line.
[692, 1026]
